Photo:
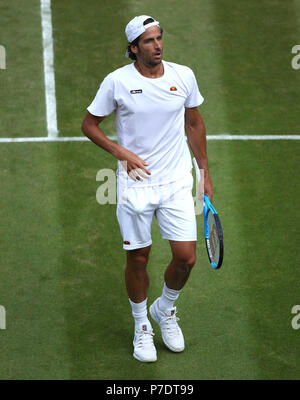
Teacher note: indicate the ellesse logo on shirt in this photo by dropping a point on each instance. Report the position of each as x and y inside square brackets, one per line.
[136, 91]
[173, 88]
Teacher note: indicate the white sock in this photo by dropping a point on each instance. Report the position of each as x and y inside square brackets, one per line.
[139, 313]
[168, 298]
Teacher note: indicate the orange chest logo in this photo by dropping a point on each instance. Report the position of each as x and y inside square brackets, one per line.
[173, 88]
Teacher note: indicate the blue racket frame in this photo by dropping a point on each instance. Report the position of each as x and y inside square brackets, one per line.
[208, 207]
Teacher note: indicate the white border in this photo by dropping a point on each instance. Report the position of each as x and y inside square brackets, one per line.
[48, 55]
[208, 137]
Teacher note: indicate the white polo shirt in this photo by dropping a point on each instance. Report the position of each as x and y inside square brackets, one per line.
[149, 115]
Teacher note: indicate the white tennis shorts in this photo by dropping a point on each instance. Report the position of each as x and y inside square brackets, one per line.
[173, 206]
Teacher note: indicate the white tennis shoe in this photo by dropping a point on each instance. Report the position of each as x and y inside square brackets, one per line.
[144, 349]
[170, 330]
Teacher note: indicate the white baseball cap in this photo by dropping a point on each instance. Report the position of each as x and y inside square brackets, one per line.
[136, 27]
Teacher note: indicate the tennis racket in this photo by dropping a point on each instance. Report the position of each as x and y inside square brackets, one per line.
[213, 234]
[212, 225]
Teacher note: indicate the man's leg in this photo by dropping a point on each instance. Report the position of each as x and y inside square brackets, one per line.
[136, 275]
[183, 260]
[176, 275]
[137, 285]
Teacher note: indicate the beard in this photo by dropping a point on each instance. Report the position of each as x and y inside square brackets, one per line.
[151, 61]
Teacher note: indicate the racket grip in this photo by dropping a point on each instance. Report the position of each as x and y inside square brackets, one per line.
[197, 170]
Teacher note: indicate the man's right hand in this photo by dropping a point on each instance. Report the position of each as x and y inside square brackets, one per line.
[134, 165]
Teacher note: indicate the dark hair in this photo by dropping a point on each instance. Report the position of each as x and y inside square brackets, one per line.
[136, 41]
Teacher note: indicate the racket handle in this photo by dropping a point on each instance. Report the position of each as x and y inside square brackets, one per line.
[197, 170]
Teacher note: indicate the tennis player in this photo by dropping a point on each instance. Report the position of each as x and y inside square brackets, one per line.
[155, 102]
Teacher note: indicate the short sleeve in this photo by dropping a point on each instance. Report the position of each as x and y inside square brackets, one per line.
[104, 102]
[194, 98]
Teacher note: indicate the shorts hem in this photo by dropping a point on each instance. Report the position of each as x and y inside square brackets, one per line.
[136, 246]
[176, 239]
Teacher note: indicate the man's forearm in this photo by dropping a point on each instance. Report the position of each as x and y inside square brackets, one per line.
[196, 135]
[97, 136]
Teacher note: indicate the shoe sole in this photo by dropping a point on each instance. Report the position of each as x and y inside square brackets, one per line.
[175, 350]
[144, 359]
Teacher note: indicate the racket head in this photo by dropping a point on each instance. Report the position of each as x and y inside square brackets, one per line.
[213, 235]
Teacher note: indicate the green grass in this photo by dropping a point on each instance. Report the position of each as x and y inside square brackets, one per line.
[68, 315]
[22, 99]
[62, 265]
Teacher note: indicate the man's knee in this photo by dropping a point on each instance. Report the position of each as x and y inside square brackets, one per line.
[184, 254]
[185, 261]
[138, 257]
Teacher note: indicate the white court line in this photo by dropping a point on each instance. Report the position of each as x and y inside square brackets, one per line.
[208, 137]
[49, 139]
[49, 68]
[253, 137]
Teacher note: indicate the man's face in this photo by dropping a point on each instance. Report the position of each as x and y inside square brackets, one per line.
[150, 47]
